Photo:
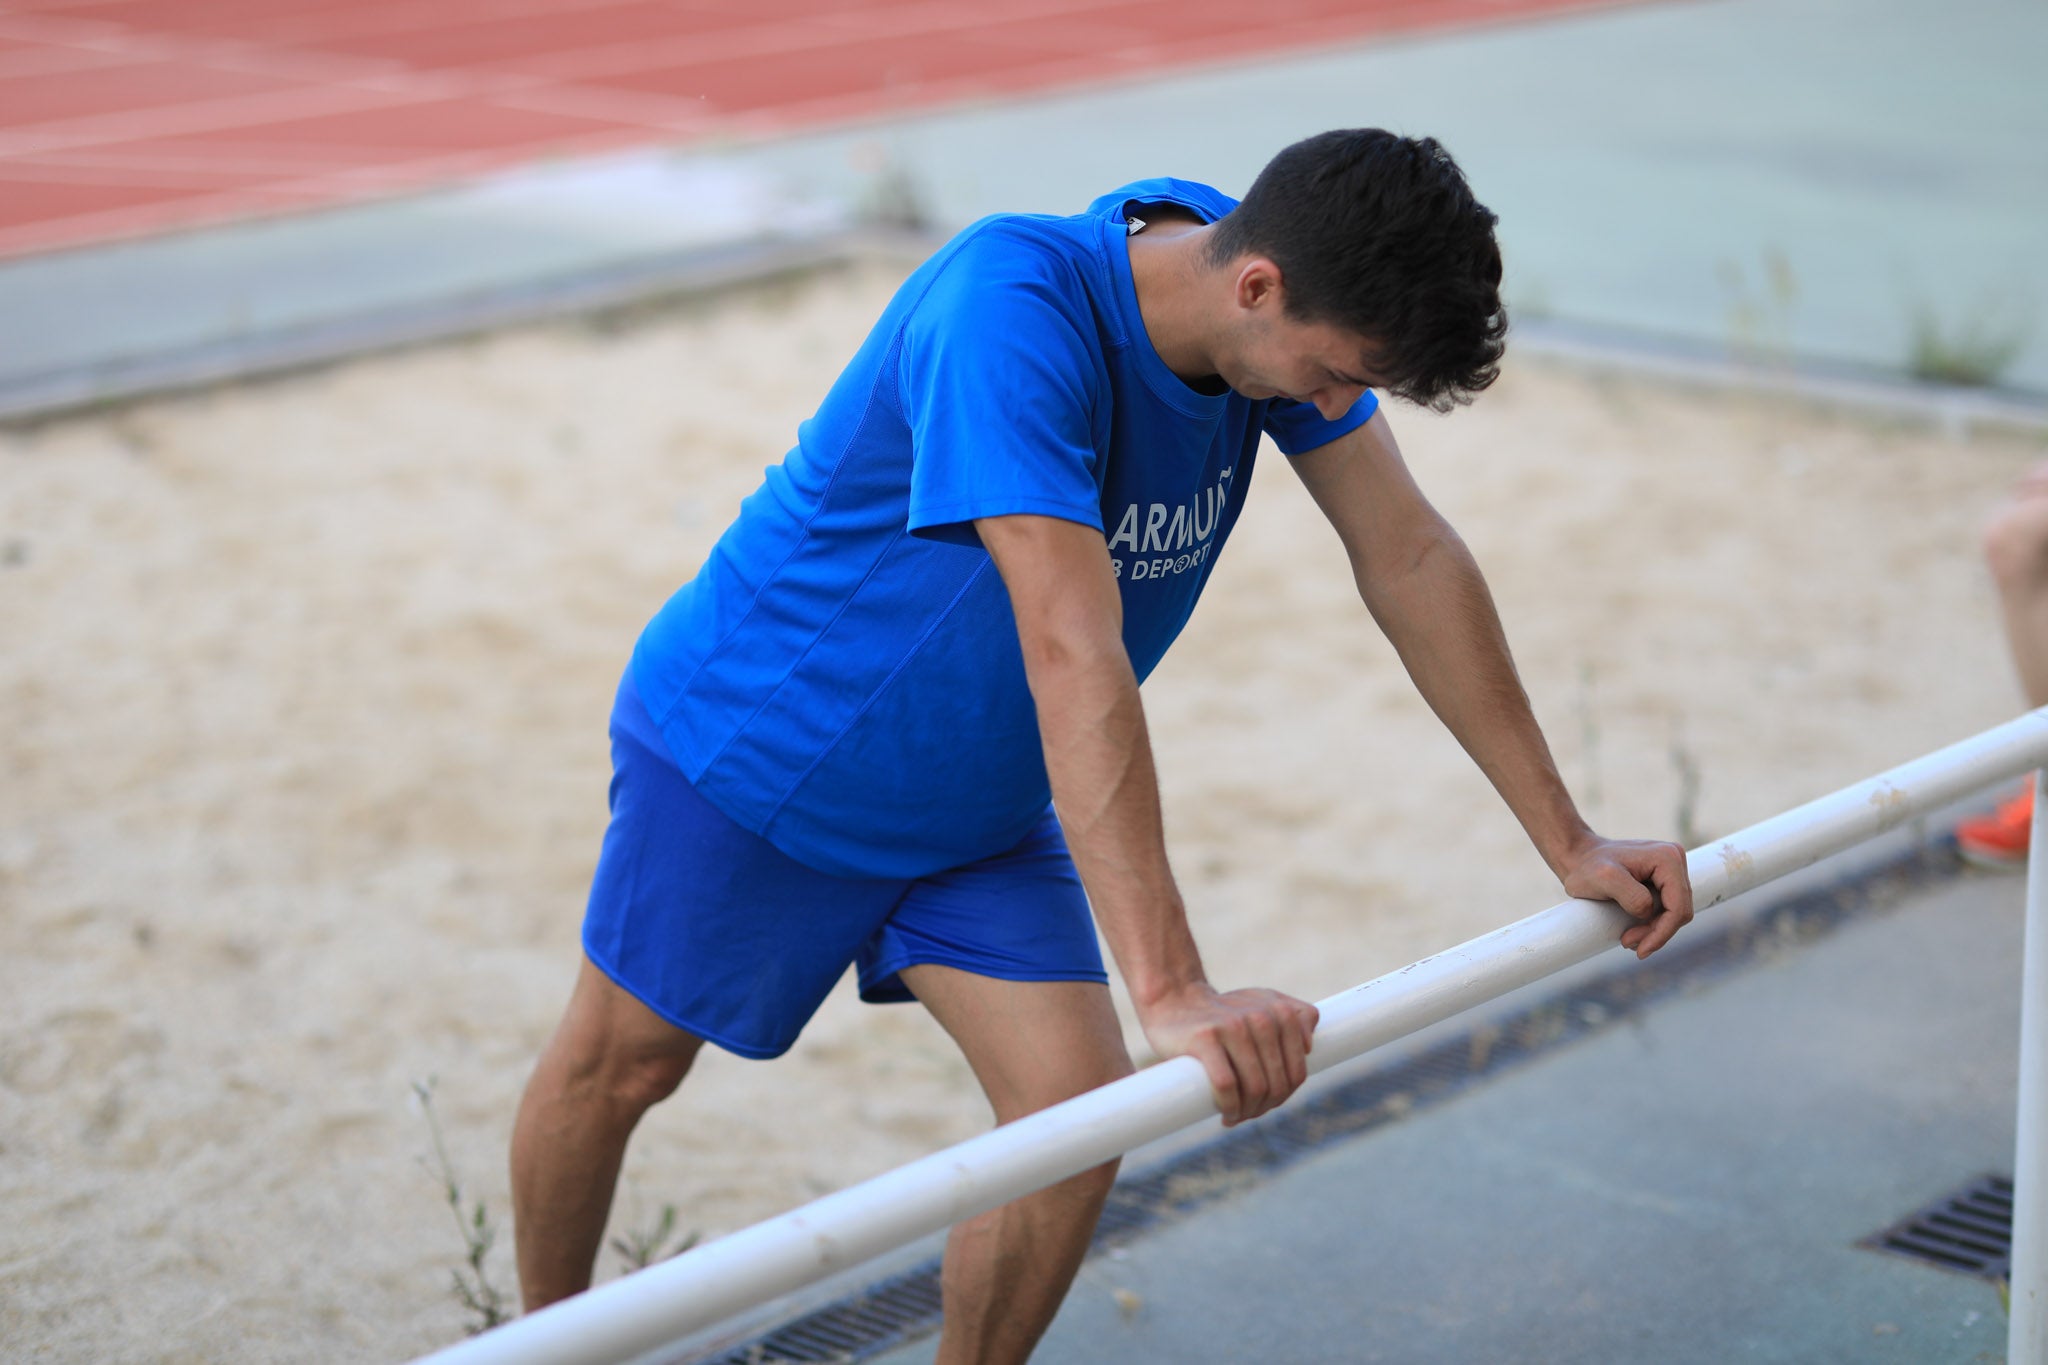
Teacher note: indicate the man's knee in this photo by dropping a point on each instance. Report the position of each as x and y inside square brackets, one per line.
[601, 1069]
[1072, 1077]
[644, 1080]
[613, 1049]
[1096, 1182]
[2016, 545]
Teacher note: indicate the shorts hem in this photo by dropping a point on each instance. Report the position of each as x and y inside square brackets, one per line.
[882, 972]
[750, 1051]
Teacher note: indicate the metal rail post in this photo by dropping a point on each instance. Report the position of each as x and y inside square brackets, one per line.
[2027, 1332]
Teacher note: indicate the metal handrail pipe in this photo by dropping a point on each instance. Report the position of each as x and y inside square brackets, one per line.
[2026, 1339]
[665, 1302]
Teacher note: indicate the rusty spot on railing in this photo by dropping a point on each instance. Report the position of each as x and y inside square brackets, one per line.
[1890, 804]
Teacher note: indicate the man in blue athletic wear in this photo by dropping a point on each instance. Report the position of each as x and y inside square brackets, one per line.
[843, 742]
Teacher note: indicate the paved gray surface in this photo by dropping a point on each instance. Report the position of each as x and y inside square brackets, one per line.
[1776, 177]
[1649, 163]
[1686, 1189]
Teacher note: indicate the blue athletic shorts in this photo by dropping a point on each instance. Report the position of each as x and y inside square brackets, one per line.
[727, 937]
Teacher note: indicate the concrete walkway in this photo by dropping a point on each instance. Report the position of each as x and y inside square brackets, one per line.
[1686, 1189]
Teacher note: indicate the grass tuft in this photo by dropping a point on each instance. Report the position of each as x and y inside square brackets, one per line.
[1975, 354]
[1760, 317]
[472, 1287]
[1687, 765]
[641, 1247]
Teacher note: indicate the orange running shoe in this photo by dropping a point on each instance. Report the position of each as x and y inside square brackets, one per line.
[2000, 838]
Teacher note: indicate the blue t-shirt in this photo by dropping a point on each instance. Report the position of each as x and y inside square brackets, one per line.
[843, 675]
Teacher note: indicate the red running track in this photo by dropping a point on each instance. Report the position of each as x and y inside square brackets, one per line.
[124, 117]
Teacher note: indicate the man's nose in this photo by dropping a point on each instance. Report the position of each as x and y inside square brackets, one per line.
[1334, 403]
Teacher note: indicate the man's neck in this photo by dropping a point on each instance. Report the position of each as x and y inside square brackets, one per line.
[1170, 270]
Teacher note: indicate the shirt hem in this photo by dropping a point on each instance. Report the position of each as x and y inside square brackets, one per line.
[955, 514]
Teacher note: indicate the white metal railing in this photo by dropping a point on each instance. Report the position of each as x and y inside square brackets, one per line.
[2026, 1341]
[703, 1287]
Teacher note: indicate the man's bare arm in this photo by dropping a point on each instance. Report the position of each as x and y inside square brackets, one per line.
[1425, 590]
[1098, 755]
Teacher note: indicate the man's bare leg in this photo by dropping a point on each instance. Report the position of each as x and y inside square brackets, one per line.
[610, 1060]
[1031, 1044]
[2016, 548]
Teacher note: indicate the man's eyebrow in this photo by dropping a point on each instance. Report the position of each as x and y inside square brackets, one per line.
[1374, 359]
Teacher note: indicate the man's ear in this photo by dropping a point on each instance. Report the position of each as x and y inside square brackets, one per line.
[1258, 284]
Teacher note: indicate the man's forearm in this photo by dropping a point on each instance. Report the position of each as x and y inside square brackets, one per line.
[1098, 755]
[1441, 619]
[1428, 595]
[1063, 591]
[1252, 1042]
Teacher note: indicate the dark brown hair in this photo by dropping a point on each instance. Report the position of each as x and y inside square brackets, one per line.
[1380, 234]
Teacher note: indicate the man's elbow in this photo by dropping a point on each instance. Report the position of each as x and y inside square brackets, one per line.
[1069, 651]
[1426, 555]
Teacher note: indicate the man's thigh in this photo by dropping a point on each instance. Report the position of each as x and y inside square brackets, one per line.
[1031, 1043]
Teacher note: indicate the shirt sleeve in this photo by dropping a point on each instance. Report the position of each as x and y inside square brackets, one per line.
[1298, 428]
[999, 388]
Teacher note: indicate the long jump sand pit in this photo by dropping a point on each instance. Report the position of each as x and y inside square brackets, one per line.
[305, 685]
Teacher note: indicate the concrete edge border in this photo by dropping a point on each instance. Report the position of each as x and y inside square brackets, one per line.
[1954, 410]
[56, 393]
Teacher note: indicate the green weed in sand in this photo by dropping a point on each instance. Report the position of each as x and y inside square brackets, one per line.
[471, 1287]
[641, 1246]
[1976, 352]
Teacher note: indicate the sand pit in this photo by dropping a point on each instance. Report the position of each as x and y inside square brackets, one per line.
[304, 770]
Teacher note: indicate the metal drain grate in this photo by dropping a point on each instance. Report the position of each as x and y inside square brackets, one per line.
[884, 1316]
[1970, 1231]
[906, 1307]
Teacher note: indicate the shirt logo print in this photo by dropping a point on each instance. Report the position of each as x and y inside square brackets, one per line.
[1160, 540]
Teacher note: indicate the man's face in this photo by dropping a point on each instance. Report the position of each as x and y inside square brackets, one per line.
[1314, 362]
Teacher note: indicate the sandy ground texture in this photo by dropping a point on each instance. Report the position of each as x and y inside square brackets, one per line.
[305, 686]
